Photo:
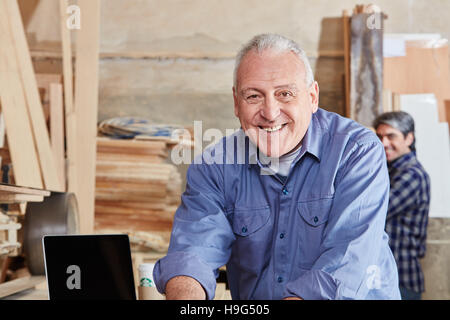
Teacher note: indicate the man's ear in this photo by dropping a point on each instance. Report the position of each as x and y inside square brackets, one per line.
[314, 96]
[236, 104]
[409, 139]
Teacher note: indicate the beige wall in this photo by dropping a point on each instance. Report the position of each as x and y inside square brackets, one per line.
[219, 27]
[189, 47]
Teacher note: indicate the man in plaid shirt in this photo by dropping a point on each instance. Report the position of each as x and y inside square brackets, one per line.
[409, 200]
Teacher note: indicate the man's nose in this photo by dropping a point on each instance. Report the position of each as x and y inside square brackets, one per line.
[385, 141]
[270, 110]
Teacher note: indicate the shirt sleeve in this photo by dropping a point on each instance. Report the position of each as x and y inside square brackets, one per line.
[403, 190]
[201, 235]
[354, 237]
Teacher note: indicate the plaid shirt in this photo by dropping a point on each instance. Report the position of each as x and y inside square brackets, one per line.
[407, 218]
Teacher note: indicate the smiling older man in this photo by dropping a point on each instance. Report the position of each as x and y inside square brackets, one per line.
[313, 228]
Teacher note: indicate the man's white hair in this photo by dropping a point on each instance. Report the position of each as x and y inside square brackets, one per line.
[274, 42]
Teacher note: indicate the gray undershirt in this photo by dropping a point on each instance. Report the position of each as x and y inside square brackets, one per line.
[283, 165]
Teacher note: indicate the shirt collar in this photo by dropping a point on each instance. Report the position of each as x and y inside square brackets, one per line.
[400, 161]
[312, 141]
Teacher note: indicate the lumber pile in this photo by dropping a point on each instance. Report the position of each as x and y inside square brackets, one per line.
[28, 138]
[136, 191]
[51, 95]
[37, 114]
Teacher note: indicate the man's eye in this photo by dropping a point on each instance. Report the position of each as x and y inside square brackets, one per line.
[285, 94]
[253, 98]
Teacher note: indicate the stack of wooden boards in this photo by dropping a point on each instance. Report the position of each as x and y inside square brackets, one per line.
[136, 190]
[67, 162]
[35, 154]
[51, 96]
[29, 142]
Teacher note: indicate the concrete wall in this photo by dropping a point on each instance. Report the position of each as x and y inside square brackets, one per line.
[171, 61]
[218, 27]
[436, 264]
[188, 48]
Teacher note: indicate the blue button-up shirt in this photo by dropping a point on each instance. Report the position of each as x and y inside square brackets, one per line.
[319, 234]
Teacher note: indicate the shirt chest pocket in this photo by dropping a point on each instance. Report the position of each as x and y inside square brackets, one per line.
[313, 217]
[253, 231]
[247, 221]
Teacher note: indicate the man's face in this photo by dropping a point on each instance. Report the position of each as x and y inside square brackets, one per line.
[394, 142]
[272, 101]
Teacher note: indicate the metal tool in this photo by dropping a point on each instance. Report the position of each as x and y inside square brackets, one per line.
[56, 215]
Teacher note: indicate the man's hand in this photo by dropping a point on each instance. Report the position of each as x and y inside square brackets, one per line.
[292, 298]
[184, 288]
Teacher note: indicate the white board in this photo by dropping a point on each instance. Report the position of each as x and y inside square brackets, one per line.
[433, 148]
[394, 44]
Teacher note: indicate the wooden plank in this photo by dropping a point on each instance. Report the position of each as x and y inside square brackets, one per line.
[2, 134]
[396, 102]
[57, 130]
[133, 146]
[18, 285]
[131, 165]
[10, 248]
[447, 110]
[118, 196]
[346, 32]
[41, 137]
[5, 261]
[86, 105]
[22, 190]
[387, 100]
[69, 110]
[129, 157]
[10, 226]
[19, 135]
[430, 73]
[43, 81]
[133, 222]
[18, 198]
[131, 205]
[2, 131]
[35, 294]
[366, 67]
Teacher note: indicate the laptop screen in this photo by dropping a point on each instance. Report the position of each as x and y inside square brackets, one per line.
[89, 267]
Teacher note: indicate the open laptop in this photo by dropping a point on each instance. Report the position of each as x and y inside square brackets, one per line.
[88, 267]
